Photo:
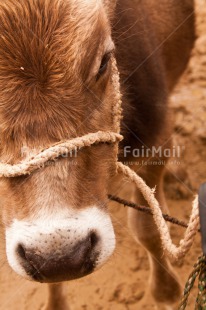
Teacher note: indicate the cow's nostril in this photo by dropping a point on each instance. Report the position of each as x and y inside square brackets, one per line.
[94, 239]
[30, 269]
[21, 252]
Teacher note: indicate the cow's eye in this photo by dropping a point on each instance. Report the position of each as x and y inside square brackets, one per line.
[104, 64]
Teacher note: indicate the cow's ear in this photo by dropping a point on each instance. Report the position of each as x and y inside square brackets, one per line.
[110, 6]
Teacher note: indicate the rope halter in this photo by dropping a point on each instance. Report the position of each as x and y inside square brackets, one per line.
[38, 161]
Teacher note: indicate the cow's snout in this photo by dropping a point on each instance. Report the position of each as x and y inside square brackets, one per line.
[67, 263]
[60, 247]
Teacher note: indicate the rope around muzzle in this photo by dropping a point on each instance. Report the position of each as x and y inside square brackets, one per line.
[54, 152]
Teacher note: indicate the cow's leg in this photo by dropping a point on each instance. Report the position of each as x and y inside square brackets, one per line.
[57, 297]
[163, 281]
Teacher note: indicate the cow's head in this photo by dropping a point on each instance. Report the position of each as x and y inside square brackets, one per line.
[55, 84]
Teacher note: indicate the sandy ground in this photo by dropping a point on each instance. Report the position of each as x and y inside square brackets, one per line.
[122, 283]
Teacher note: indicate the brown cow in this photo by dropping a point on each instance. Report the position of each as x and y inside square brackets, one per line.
[55, 77]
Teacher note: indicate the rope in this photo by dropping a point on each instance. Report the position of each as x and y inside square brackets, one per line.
[148, 211]
[199, 269]
[201, 298]
[117, 106]
[148, 193]
[55, 151]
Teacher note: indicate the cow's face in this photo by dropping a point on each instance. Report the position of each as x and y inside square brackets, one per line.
[55, 77]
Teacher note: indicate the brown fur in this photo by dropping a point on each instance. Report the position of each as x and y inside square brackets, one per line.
[154, 34]
[46, 97]
[48, 50]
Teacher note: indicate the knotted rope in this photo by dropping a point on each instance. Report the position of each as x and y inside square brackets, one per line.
[199, 269]
[54, 152]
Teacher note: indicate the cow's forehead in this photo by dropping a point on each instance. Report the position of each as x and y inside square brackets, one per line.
[55, 30]
[46, 41]
[42, 18]
[46, 46]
